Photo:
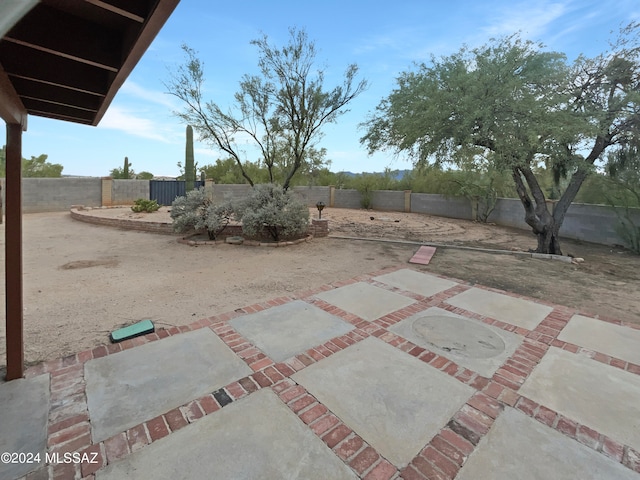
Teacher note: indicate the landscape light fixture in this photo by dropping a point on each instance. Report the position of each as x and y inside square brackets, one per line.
[320, 207]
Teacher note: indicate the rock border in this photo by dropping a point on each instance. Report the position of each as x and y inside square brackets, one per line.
[186, 240]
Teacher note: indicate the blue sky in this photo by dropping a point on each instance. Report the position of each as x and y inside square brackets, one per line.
[383, 38]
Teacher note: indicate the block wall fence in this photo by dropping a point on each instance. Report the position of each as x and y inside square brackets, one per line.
[590, 223]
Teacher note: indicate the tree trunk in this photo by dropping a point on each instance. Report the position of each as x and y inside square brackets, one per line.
[537, 215]
[296, 164]
[549, 242]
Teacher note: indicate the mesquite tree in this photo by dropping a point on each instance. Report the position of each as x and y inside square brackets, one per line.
[282, 110]
[516, 106]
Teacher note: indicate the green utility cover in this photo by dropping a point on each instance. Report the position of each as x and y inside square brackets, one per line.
[135, 330]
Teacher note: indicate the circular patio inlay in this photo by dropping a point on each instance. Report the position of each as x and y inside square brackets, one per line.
[459, 336]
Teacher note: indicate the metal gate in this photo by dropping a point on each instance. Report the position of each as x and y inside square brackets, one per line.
[165, 191]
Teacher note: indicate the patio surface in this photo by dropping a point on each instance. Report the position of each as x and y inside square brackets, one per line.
[396, 374]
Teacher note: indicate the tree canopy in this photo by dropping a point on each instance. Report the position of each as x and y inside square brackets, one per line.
[281, 110]
[33, 167]
[516, 107]
[119, 173]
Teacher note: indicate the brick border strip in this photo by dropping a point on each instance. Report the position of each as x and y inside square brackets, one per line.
[350, 447]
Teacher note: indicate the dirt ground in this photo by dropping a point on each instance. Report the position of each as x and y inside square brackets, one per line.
[83, 281]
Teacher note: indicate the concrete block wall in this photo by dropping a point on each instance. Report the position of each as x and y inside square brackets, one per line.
[58, 194]
[126, 192]
[222, 192]
[388, 200]
[509, 213]
[312, 195]
[347, 198]
[589, 223]
[441, 206]
[594, 223]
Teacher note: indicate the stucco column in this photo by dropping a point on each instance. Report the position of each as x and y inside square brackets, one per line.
[407, 201]
[107, 192]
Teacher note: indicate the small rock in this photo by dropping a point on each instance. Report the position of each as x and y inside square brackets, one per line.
[372, 218]
[578, 259]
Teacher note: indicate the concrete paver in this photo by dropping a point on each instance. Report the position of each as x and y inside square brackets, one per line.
[289, 329]
[256, 437]
[515, 311]
[412, 281]
[470, 343]
[135, 385]
[519, 447]
[24, 411]
[599, 396]
[614, 340]
[364, 300]
[392, 400]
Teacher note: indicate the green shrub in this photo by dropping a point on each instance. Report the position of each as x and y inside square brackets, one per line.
[189, 212]
[142, 205]
[366, 183]
[269, 206]
[195, 211]
[217, 217]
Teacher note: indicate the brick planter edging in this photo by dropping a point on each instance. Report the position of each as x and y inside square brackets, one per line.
[77, 213]
[153, 227]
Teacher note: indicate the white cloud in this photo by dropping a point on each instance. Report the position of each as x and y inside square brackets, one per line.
[118, 118]
[206, 152]
[531, 18]
[405, 43]
[136, 90]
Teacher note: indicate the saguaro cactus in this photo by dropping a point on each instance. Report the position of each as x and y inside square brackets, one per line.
[125, 169]
[189, 169]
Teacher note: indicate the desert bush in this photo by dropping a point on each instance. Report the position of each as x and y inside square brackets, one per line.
[195, 211]
[142, 205]
[217, 218]
[269, 207]
[189, 212]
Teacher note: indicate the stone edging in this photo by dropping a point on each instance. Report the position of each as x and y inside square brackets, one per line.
[541, 256]
[252, 243]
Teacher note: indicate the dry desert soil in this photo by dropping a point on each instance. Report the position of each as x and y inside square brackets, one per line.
[82, 281]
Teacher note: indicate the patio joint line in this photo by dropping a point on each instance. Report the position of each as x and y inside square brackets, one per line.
[599, 442]
[343, 441]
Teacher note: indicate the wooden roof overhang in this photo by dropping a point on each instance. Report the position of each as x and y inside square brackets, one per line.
[64, 60]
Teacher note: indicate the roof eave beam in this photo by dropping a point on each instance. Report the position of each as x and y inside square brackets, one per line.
[154, 23]
[12, 110]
